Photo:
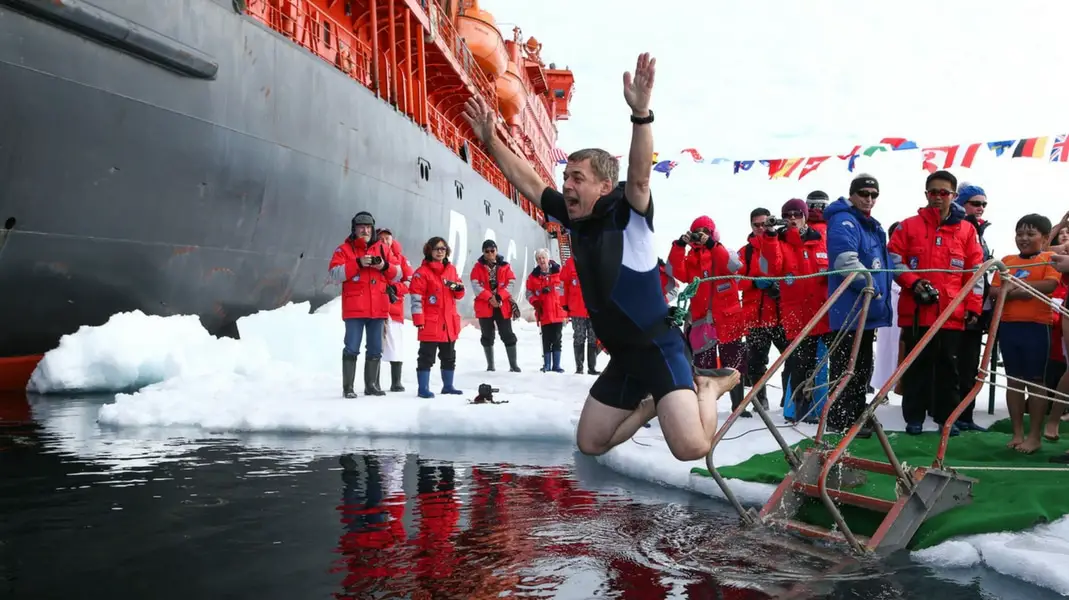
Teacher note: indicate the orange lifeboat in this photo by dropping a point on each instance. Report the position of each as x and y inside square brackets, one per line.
[511, 97]
[480, 33]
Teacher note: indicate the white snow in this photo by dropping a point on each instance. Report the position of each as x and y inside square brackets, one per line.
[284, 376]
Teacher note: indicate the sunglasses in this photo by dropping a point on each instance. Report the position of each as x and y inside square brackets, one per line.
[440, 248]
[794, 214]
[490, 251]
[759, 225]
[868, 194]
[939, 193]
[977, 203]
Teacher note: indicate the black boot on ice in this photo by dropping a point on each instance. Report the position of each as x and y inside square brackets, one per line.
[371, 377]
[489, 352]
[348, 375]
[395, 377]
[513, 365]
[578, 351]
[592, 360]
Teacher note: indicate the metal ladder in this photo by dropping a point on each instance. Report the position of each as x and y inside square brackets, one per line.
[823, 471]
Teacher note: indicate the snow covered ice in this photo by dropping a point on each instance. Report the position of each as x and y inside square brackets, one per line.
[176, 380]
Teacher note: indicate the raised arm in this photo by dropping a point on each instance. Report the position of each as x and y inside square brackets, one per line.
[518, 171]
[637, 92]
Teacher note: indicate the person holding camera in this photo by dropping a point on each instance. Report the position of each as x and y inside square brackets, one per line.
[365, 273]
[545, 292]
[761, 305]
[394, 332]
[433, 295]
[937, 237]
[491, 280]
[716, 327]
[856, 242]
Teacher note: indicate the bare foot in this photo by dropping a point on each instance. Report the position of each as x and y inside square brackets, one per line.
[711, 388]
[1016, 441]
[647, 409]
[1050, 431]
[1028, 446]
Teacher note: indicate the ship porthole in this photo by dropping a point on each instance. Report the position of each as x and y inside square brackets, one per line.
[10, 223]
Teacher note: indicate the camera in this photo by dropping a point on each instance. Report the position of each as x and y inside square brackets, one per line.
[546, 290]
[773, 222]
[391, 293]
[486, 395]
[925, 292]
[375, 260]
[453, 285]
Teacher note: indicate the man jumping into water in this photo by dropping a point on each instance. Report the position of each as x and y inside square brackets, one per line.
[612, 242]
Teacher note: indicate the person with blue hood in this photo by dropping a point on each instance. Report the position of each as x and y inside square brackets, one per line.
[973, 199]
[856, 240]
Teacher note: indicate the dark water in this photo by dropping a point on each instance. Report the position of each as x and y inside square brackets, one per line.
[98, 512]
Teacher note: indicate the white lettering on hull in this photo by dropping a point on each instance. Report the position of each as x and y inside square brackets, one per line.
[458, 239]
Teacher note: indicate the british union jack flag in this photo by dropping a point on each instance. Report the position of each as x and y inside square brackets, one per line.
[1060, 151]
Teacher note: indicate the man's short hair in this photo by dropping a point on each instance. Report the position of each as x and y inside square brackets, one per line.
[604, 165]
[1033, 221]
[760, 212]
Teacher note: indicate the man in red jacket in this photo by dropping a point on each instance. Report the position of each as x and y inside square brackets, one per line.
[760, 306]
[938, 237]
[492, 280]
[364, 271]
[582, 329]
[394, 333]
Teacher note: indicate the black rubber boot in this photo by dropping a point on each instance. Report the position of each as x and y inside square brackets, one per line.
[513, 365]
[578, 351]
[738, 394]
[592, 360]
[489, 352]
[348, 375]
[371, 377]
[395, 377]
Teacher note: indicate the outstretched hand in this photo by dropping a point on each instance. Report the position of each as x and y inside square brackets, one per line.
[481, 118]
[637, 89]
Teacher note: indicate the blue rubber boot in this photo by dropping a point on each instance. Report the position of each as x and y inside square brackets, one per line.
[546, 358]
[556, 362]
[424, 379]
[447, 383]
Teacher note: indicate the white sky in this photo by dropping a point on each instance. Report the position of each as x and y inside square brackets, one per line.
[761, 79]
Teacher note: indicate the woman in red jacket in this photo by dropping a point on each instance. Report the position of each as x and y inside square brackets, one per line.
[790, 252]
[582, 329]
[491, 280]
[434, 292]
[394, 334]
[545, 292]
[362, 267]
[717, 327]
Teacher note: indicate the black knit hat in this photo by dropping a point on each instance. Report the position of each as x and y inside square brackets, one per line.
[863, 181]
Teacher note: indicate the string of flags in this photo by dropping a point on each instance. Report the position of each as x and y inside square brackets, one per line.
[1054, 148]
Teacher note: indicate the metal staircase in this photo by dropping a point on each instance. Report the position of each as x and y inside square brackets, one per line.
[826, 472]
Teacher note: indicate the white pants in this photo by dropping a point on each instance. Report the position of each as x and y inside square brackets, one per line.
[393, 336]
[887, 345]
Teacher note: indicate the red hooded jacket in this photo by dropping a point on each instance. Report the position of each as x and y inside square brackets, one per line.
[759, 309]
[573, 294]
[363, 289]
[434, 306]
[927, 241]
[791, 254]
[545, 292]
[397, 257]
[480, 284]
[715, 301]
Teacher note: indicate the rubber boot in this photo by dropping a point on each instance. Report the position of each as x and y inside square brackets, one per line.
[513, 365]
[424, 379]
[395, 377]
[738, 394]
[578, 350]
[489, 352]
[348, 375]
[556, 362]
[447, 383]
[762, 397]
[371, 377]
[546, 362]
[592, 360]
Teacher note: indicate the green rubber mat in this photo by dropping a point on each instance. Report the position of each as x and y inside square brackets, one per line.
[1002, 500]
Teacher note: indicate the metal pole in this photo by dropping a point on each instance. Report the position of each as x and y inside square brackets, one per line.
[991, 387]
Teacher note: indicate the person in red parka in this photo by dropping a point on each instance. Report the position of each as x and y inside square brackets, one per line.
[434, 292]
[491, 280]
[937, 237]
[716, 328]
[815, 203]
[795, 250]
[363, 268]
[760, 306]
[545, 292]
[394, 333]
[668, 283]
[582, 330]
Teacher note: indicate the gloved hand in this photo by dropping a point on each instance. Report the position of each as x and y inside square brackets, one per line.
[546, 290]
[925, 293]
[763, 284]
[971, 318]
[683, 240]
[455, 286]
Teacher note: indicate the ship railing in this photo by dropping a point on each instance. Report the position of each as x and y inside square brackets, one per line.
[309, 27]
[455, 44]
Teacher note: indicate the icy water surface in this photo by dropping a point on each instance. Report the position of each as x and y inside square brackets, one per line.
[97, 512]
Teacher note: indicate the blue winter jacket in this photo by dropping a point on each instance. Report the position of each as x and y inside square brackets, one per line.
[857, 241]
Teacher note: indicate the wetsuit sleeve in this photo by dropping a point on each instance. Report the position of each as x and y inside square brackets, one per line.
[554, 206]
[648, 215]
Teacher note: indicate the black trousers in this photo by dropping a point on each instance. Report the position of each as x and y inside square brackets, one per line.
[447, 353]
[931, 385]
[969, 350]
[758, 341]
[801, 365]
[503, 326]
[551, 334]
[852, 402]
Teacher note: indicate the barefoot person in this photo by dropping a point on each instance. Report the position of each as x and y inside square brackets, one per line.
[616, 260]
